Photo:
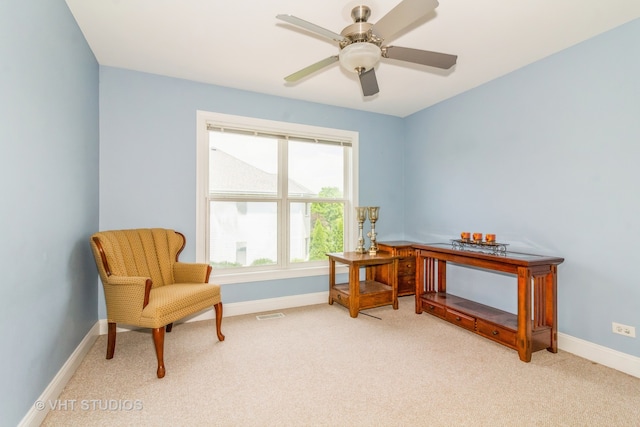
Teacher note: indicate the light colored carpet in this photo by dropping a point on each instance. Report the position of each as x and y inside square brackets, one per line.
[319, 367]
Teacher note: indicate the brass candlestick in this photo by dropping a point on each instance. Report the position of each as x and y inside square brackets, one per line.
[361, 213]
[373, 217]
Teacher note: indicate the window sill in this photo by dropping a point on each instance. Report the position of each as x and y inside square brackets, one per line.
[221, 278]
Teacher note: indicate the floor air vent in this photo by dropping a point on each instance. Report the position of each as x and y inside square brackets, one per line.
[270, 316]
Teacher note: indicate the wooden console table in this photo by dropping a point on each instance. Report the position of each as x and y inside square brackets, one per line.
[533, 328]
[379, 288]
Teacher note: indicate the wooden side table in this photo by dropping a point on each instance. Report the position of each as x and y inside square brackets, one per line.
[379, 288]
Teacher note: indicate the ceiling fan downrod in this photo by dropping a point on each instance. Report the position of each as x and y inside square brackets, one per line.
[361, 30]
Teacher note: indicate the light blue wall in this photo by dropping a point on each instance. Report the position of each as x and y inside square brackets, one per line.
[148, 159]
[49, 179]
[546, 158]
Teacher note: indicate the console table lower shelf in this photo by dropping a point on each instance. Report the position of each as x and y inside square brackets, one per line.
[489, 322]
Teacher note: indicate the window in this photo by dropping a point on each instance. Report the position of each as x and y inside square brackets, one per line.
[273, 197]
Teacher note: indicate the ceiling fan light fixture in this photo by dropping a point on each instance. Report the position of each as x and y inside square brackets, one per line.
[360, 56]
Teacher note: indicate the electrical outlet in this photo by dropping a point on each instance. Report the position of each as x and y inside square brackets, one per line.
[627, 331]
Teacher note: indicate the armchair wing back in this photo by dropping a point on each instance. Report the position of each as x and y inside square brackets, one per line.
[142, 252]
[145, 285]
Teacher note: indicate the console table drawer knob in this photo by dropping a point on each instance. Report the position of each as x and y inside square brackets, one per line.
[458, 318]
[495, 332]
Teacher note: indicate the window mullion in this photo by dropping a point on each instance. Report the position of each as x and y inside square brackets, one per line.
[283, 208]
[349, 234]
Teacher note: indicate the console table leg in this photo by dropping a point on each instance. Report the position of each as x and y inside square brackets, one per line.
[524, 314]
[419, 282]
[551, 309]
[393, 279]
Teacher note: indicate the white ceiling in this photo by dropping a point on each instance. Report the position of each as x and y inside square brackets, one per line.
[240, 43]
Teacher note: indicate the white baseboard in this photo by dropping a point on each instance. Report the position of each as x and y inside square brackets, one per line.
[596, 353]
[617, 360]
[262, 305]
[41, 407]
[245, 307]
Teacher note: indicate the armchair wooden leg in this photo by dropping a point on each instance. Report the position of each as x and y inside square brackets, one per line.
[218, 308]
[158, 340]
[111, 340]
[169, 327]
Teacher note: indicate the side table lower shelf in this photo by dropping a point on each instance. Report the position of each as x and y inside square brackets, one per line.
[497, 325]
[372, 294]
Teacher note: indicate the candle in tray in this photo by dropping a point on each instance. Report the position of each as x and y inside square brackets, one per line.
[465, 235]
[490, 238]
[477, 237]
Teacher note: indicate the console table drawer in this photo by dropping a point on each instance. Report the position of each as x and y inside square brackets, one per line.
[406, 285]
[497, 333]
[434, 308]
[406, 264]
[460, 319]
[407, 267]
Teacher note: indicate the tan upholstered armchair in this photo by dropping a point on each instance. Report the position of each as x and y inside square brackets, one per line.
[145, 285]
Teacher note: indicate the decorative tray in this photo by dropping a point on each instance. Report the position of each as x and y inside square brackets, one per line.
[480, 246]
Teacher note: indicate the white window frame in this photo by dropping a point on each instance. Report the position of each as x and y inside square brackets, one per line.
[203, 118]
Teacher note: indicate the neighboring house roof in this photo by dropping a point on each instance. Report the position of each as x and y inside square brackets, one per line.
[229, 174]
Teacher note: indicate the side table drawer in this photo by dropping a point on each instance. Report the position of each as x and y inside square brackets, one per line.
[460, 319]
[340, 294]
[497, 333]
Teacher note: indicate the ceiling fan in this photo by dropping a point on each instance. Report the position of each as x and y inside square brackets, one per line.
[363, 44]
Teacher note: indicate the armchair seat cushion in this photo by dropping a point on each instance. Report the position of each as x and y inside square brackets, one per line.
[170, 303]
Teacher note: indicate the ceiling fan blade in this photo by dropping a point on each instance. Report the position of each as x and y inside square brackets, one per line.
[368, 82]
[404, 14]
[311, 27]
[417, 56]
[311, 69]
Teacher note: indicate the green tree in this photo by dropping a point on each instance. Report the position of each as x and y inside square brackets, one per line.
[319, 245]
[328, 220]
[337, 235]
[329, 212]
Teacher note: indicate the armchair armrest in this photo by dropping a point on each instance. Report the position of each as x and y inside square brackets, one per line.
[126, 297]
[132, 281]
[184, 272]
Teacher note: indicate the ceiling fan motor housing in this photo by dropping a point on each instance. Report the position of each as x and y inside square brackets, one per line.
[360, 50]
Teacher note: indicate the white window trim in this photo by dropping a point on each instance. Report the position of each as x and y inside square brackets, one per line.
[202, 168]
